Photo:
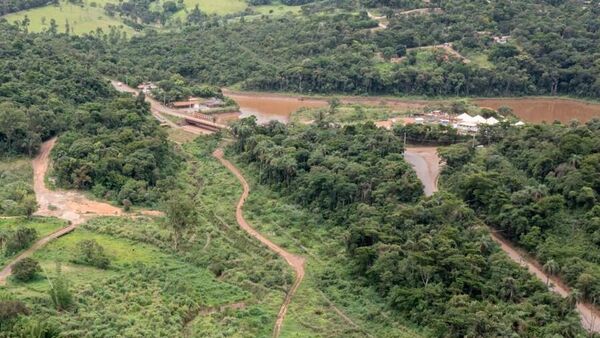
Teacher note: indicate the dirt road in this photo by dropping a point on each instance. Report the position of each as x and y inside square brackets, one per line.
[426, 163]
[159, 111]
[381, 20]
[296, 262]
[70, 206]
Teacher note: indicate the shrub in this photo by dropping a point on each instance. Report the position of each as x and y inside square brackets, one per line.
[20, 239]
[59, 292]
[11, 309]
[91, 253]
[26, 269]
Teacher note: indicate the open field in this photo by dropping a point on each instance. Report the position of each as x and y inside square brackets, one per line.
[142, 283]
[81, 19]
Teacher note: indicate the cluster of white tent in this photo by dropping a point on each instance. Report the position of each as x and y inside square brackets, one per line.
[467, 122]
[476, 120]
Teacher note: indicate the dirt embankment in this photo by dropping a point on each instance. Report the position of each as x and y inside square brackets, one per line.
[294, 261]
[71, 206]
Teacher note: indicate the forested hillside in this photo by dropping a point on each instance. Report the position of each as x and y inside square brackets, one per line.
[507, 48]
[11, 6]
[49, 85]
[432, 261]
[539, 185]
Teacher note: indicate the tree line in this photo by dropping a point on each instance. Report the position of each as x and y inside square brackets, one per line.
[430, 259]
[539, 185]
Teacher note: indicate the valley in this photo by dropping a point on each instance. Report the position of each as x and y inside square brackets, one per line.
[299, 168]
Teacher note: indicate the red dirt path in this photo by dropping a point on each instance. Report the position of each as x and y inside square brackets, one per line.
[296, 262]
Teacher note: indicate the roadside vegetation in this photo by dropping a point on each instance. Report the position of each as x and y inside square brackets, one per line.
[431, 260]
[19, 233]
[539, 185]
[16, 196]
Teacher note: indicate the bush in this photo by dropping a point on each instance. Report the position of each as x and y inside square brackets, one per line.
[11, 309]
[59, 292]
[26, 269]
[91, 253]
[19, 240]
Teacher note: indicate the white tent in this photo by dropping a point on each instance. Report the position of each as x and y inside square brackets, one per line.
[520, 123]
[464, 117]
[491, 121]
[479, 119]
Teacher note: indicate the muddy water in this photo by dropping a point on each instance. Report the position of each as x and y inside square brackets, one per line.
[267, 107]
[546, 110]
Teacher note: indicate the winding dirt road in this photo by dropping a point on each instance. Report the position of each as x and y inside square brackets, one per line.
[427, 165]
[68, 205]
[296, 262]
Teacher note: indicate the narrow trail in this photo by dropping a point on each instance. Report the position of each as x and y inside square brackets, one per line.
[294, 261]
[423, 159]
[70, 206]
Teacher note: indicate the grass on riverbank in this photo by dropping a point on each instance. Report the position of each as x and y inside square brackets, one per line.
[350, 113]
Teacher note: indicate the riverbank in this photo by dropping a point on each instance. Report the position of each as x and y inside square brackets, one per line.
[280, 106]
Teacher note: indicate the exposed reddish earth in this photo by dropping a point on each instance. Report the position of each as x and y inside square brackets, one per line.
[71, 206]
[294, 261]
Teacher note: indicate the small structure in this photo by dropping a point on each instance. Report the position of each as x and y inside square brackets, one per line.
[147, 87]
[213, 102]
[191, 103]
[501, 39]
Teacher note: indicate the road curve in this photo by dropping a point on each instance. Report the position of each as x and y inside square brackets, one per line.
[423, 159]
[67, 205]
[296, 262]
[426, 163]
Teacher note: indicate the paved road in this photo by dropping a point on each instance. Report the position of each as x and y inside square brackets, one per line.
[296, 262]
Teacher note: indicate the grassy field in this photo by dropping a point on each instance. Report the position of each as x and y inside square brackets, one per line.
[91, 16]
[220, 7]
[43, 226]
[349, 113]
[131, 297]
[82, 19]
[218, 283]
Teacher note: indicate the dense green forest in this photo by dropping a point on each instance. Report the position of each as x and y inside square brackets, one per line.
[539, 186]
[550, 49]
[432, 259]
[341, 194]
[11, 6]
[49, 86]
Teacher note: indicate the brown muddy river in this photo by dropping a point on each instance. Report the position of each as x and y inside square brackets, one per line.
[546, 110]
[269, 106]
